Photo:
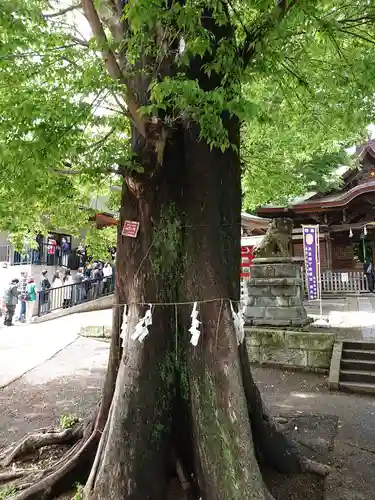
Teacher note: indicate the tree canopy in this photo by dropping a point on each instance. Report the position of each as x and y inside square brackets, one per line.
[164, 98]
[298, 74]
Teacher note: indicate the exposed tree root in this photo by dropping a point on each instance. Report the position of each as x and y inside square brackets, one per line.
[91, 479]
[65, 470]
[6, 477]
[75, 464]
[33, 442]
[272, 446]
[36, 484]
[308, 465]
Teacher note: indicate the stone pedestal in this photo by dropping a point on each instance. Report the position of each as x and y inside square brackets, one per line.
[274, 293]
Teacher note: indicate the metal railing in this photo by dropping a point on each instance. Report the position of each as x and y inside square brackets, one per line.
[68, 296]
[44, 255]
[5, 252]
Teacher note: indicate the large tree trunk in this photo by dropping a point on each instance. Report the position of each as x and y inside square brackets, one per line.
[170, 396]
[169, 406]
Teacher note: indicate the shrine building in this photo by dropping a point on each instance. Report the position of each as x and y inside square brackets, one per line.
[346, 218]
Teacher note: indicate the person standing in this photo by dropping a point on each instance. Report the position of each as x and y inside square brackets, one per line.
[44, 297]
[38, 257]
[97, 278]
[113, 253]
[56, 291]
[51, 250]
[10, 300]
[107, 278]
[369, 272]
[87, 273]
[30, 299]
[79, 288]
[65, 249]
[67, 289]
[81, 254]
[22, 297]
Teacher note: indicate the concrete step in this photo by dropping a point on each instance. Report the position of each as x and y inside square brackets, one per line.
[365, 346]
[358, 354]
[364, 388]
[357, 376]
[358, 364]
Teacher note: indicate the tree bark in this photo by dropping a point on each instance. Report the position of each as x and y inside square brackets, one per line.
[134, 456]
[226, 463]
[170, 395]
[172, 399]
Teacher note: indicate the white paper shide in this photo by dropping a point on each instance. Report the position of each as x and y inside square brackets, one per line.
[124, 325]
[194, 329]
[141, 329]
[239, 324]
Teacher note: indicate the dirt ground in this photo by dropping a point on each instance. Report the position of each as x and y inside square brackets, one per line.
[350, 452]
[295, 487]
[334, 428]
[68, 384]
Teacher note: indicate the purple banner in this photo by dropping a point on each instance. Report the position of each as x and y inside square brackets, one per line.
[312, 260]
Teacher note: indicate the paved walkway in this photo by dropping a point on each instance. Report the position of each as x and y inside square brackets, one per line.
[23, 347]
[353, 316]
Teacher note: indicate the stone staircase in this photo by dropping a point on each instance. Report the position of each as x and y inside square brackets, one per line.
[353, 367]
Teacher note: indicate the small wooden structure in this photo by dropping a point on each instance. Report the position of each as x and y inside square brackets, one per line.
[252, 225]
[346, 217]
[252, 230]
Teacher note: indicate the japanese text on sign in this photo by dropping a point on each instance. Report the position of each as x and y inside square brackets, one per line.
[130, 228]
[312, 264]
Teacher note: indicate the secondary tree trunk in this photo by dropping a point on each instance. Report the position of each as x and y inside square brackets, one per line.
[225, 459]
[135, 452]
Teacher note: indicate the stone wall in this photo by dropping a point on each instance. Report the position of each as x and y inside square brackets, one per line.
[308, 350]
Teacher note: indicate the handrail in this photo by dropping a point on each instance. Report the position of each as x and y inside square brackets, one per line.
[67, 296]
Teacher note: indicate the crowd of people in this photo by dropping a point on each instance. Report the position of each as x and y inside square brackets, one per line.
[23, 298]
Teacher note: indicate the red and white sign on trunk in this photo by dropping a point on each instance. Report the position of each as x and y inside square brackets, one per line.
[130, 228]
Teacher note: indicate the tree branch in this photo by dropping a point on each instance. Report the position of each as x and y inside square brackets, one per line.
[230, 3]
[361, 20]
[301, 80]
[80, 172]
[47, 52]
[111, 63]
[358, 35]
[80, 41]
[96, 144]
[257, 33]
[66, 172]
[61, 12]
